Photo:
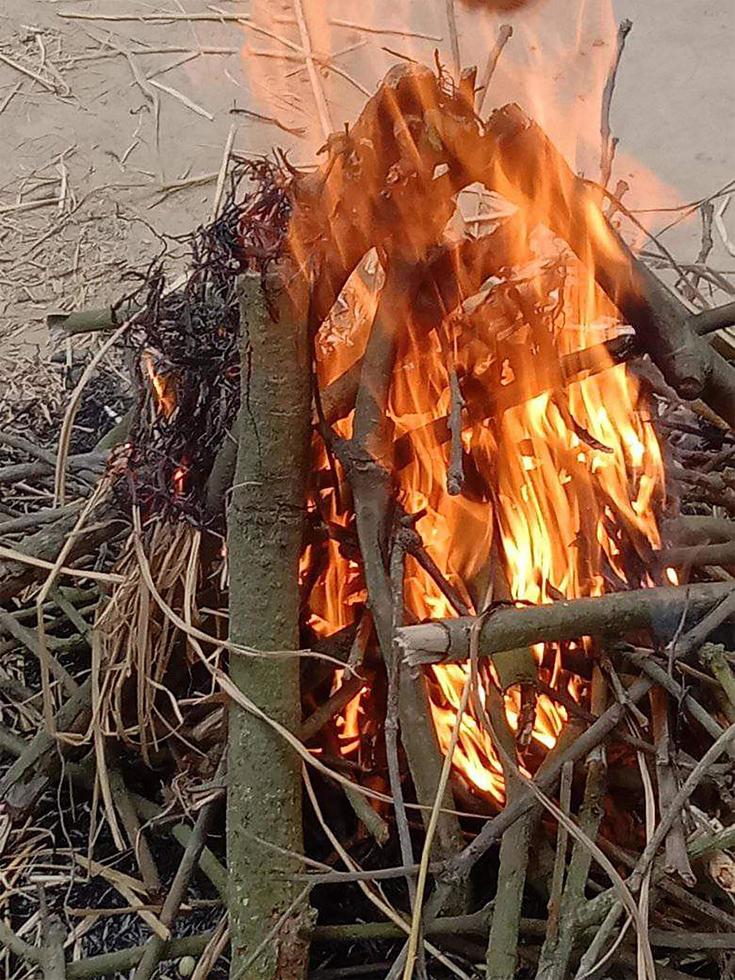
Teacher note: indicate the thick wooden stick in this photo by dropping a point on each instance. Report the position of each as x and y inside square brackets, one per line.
[265, 535]
[617, 612]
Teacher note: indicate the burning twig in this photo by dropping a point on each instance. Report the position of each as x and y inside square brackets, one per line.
[455, 474]
[505, 33]
[517, 146]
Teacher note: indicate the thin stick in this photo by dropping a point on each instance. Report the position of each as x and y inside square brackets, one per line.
[643, 948]
[177, 892]
[676, 849]
[155, 18]
[316, 84]
[415, 932]
[222, 176]
[393, 666]
[12, 63]
[560, 858]
[184, 99]
[370, 29]
[505, 33]
[608, 143]
[453, 38]
[109, 577]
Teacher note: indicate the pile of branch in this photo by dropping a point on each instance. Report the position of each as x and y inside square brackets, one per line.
[177, 660]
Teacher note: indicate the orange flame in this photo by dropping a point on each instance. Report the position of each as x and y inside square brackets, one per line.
[163, 386]
[570, 476]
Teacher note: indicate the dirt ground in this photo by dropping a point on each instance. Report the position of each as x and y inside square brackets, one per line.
[108, 153]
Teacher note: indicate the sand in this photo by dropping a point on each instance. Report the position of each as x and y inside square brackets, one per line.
[88, 134]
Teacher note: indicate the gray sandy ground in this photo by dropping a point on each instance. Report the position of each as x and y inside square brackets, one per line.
[90, 130]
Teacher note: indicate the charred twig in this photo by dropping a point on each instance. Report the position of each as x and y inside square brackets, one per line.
[609, 144]
[455, 474]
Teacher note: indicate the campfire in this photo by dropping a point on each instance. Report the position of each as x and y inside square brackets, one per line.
[400, 511]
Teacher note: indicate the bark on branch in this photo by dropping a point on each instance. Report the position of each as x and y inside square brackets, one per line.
[657, 609]
[265, 532]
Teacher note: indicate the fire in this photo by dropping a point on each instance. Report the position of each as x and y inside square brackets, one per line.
[563, 479]
[162, 385]
[348, 722]
[163, 389]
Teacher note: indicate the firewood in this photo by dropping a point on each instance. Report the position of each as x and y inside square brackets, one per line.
[617, 613]
[519, 158]
[264, 541]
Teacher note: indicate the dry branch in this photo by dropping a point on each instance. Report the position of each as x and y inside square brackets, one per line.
[616, 613]
[265, 538]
